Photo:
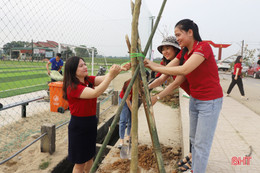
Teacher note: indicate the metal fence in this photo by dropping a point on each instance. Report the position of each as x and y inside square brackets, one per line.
[18, 132]
[32, 32]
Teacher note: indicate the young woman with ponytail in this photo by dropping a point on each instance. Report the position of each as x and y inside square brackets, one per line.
[206, 96]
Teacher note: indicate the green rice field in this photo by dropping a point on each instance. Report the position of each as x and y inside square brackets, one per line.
[24, 77]
[20, 77]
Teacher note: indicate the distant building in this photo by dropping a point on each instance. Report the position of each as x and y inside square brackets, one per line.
[51, 45]
[23, 53]
[40, 50]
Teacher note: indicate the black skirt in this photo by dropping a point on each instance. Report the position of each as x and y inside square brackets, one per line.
[82, 138]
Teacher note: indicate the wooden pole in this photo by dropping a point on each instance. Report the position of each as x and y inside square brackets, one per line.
[113, 125]
[134, 64]
[147, 100]
[150, 120]
[48, 141]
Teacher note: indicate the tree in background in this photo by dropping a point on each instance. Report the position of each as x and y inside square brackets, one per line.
[95, 51]
[66, 53]
[249, 56]
[82, 51]
[7, 47]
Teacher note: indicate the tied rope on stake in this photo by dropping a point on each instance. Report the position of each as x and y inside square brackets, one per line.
[133, 55]
[125, 63]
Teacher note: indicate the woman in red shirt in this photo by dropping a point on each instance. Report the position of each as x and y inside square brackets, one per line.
[206, 96]
[82, 91]
[169, 48]
[236, 78]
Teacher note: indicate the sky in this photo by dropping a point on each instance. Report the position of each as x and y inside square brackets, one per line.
[222, 21]
[104, 24]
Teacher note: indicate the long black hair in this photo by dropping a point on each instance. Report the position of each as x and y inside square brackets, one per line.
[186, 25]
[238, 59]
[70, 78]
[166, 61]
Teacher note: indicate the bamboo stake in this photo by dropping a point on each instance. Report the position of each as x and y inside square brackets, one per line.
[115, 121]
[134, 64]
[147, 100]
[151, 122]
[128, 43]
[108, 136]
[155, 27]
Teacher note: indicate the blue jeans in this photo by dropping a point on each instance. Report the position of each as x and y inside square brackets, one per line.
[125, 118]
[203, 122]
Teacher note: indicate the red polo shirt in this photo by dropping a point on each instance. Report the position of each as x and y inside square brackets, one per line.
[204, 80]
[185, 86]
[81, 107]
[122, 93]
[159, 74]
[237, 65]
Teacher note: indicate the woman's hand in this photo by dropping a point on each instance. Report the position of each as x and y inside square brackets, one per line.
[235, 77]
[114, 71]
[126, 67]
[153, 99]
[149, 64]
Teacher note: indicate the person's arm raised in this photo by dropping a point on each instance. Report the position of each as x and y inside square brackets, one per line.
[89, 93]
[192, 63]
[163, 77]
[128, 102]
[157, 82]
[175, 84]
[100, 79]
[47, 67]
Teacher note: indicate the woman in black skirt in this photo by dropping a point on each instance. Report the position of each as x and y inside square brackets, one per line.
[82, 91]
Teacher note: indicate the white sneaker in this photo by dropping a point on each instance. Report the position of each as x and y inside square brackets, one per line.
[244, 98]
[227, 95]
[119, 146]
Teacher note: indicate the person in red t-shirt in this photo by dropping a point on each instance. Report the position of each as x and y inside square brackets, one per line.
[82, 91]
[169, 48]
[125, 116]
[206, 95]
[237, 78]
[163, 62]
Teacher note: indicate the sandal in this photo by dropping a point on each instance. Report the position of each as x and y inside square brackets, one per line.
[185, 167]
[182, 162]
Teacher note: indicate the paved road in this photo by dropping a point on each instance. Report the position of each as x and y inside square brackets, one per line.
[251, 87]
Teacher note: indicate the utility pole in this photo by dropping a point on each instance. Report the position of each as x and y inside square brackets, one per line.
[32, 50]
[151, 46]
[92, 71]
[11, 52]
[242, 48]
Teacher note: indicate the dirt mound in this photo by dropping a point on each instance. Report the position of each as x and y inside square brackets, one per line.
[146, 160]
[171, 99]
